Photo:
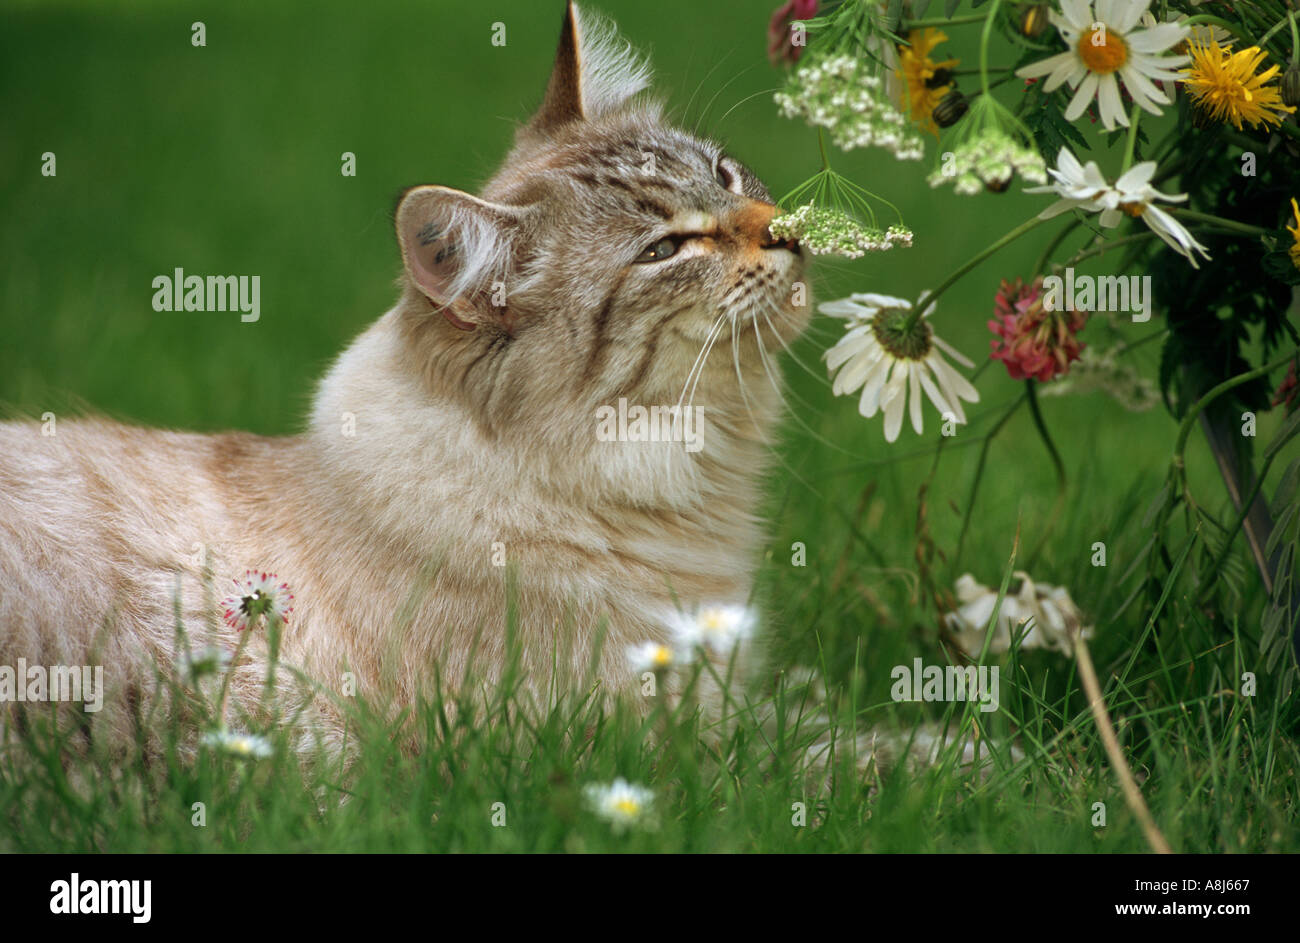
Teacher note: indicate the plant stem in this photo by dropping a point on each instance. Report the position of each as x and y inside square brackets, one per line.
[1052, 247]
[1107, 245]
[1275, 27]
[984, 45]
[1101, 717]
[1229, 224]
[979, 257]
[979, 474]
[1059, 504]
[1131, 142]
[1185, 428]
[944, 21]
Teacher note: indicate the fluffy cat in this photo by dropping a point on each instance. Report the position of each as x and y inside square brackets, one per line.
[609, 253]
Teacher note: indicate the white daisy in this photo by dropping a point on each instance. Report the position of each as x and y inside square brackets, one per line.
[1084, 187]
[621, 803]
[243, 745]
[1051, 614]
[650, 656]
[720, 628]
[889, 364]
[257, 594]
[1108, 47]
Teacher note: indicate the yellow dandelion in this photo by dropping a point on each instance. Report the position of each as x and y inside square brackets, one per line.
[1227, 88]
[925, 81]
[1295, 235]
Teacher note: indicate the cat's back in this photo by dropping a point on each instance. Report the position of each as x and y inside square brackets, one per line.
[98, 517]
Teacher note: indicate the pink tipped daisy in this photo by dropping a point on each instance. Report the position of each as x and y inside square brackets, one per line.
[257, 594]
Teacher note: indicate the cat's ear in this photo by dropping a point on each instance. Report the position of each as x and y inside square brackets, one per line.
[456, 249]
[595, 72]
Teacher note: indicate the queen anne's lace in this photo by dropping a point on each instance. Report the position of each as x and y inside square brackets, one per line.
[826, 231]
[989, 159]
[842, 95]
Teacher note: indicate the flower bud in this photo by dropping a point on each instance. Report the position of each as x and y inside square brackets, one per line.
[1291, 85]
[1033, 20]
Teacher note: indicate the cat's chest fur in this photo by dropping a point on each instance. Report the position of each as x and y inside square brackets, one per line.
[410, 511]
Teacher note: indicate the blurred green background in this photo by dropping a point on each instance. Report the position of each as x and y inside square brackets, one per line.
[226, 160]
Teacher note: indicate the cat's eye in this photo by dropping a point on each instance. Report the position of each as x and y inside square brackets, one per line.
[660, 250]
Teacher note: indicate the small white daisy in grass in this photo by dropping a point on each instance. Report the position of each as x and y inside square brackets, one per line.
[1105, 48]
[650, 656]
[720, 627]
[1084, 187]
[257, 594]
[890, 355]
[243, 745]
[624, 805]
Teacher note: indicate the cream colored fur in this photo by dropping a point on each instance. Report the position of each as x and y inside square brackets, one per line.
[418, 467]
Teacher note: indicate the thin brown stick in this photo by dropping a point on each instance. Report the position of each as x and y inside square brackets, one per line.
[1132, 795]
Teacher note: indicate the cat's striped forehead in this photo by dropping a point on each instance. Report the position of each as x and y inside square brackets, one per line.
[637, 166]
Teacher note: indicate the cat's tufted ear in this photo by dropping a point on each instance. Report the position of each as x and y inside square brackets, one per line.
[595, 72]
[456, 249]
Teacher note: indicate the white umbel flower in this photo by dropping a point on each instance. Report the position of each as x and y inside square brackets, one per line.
[890, 368]
[1083, 187]
[829, 231]
[843, 94]
[622, 804]
[988, 160]
[1106, 48]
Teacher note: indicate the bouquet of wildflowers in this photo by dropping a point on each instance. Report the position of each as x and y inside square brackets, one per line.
[1162, 134]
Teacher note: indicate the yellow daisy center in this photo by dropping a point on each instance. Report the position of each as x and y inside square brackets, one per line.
[662, 656]
[628, 807]
[1102, 50]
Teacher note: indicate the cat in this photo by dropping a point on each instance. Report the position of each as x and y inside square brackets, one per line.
[612, 259]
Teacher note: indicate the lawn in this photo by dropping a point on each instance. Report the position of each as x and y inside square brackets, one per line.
[226, 158]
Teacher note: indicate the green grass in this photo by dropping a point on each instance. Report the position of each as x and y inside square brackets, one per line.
[226, 159]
